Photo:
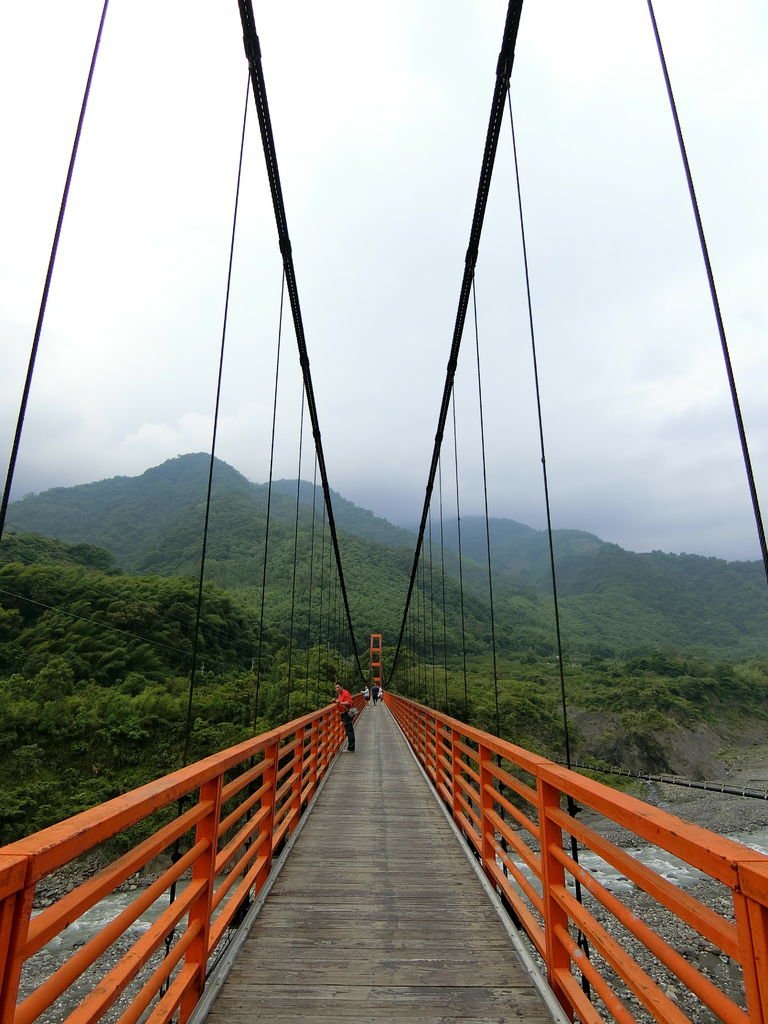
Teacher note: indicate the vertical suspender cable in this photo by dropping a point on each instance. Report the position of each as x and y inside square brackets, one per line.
[417, 638]
[212, 459]
[320, 612]
[715, 300]
[295, 556]
[581, 938]
[432, 611]
[269, 512]
[497, 783]
[487, 522]
[47, 286]
[176, 854]
[311, 580]
[334, 621]
[542, 450]
[442, 575]
[461, 569]
[424, 627]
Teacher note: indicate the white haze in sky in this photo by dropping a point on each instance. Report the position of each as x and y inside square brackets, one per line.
[380, 114]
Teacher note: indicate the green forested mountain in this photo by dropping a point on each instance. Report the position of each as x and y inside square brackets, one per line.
[133, 517]
[610, 599]
[95, 674]
[97, 623]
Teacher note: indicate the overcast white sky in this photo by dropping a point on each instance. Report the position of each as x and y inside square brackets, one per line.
[380, 113]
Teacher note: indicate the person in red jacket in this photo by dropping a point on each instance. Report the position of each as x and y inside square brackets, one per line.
[344, 701]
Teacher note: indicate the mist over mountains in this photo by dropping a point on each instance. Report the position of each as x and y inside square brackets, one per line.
[610, 598]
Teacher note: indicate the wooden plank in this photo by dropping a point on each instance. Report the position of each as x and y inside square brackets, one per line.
[377, 914]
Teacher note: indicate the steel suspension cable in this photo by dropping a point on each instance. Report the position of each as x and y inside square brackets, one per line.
[424, 624]
[442, 574]
[176, 854]
[253, 55]
[571, 805]
[295, 557]
[542, 449]
[47, 285]
[503, 73]
[497, 782]
[214, 436]
[432, 609]
[715, 301]
[311, 575]
[320, 612]
[461, 569]
[417, 612]
[487, 521]
[269, 511]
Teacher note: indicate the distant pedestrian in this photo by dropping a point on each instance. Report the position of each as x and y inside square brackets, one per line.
[376, 693]
[344, 702]
[367, 695]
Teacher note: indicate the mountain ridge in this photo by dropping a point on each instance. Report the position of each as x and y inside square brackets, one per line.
[609, 597]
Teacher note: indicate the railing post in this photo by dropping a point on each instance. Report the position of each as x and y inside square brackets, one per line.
[751, 910]
[314, 757]
[271, 753]
[204, 870]
[421, 736]
[430, 757]
[455, 772]
[444, 748]
[552, 874]
[298, 769]
[15, 914]
[487, 845]
[324, 742]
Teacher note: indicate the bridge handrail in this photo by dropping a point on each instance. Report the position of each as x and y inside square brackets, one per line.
[509, 804]
[245, 801]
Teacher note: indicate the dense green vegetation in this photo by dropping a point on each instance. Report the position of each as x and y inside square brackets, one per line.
[95, 673]
[97, 627]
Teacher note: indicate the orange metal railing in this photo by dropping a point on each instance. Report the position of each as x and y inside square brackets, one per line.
[237, 808]
[509, 803]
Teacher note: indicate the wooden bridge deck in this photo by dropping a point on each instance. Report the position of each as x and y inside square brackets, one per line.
[377, 914]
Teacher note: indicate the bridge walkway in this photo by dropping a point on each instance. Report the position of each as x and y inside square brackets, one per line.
[376, 914]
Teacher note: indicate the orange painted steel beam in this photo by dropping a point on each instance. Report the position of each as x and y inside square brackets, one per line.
[470, 783]
[502, 878]
[158, 979]
[241, 868]
[688, 909]
[289, 763]
[69, 908]
[577, 998]
[54, 986]
[170, 1002]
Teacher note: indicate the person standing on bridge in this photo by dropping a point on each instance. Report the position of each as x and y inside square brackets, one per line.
[344, 701]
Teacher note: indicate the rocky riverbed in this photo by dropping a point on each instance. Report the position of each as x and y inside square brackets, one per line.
[741, 818]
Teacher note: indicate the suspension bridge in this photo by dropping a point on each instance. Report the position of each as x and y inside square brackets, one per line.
[440, 872]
